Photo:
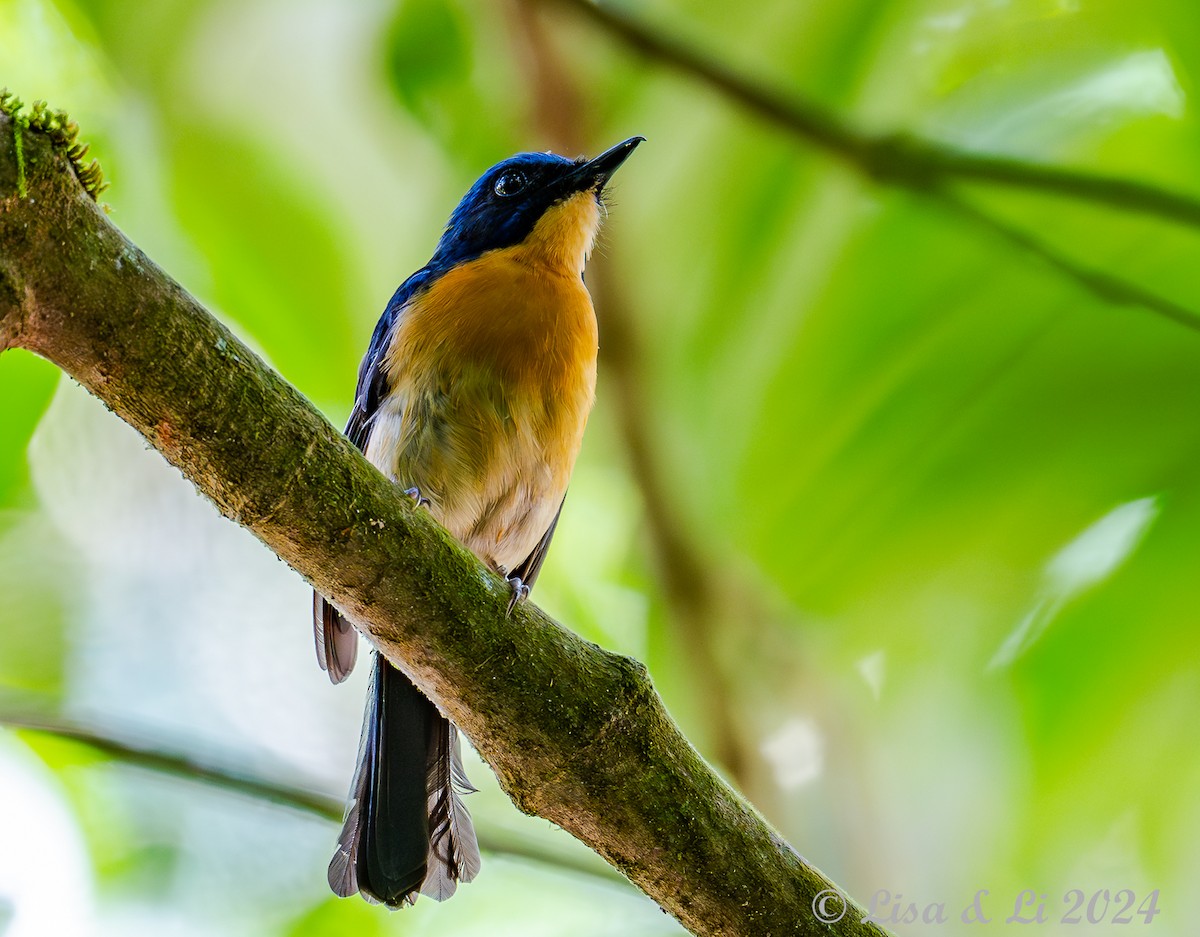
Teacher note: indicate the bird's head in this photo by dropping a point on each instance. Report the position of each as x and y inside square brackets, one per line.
[548, 205]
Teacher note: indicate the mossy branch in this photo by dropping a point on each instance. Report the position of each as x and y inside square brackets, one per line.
[575, 734]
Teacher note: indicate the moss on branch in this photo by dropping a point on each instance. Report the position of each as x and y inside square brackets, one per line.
[63, 134]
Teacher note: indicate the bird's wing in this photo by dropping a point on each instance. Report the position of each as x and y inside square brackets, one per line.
[527, 570]
[336, 639]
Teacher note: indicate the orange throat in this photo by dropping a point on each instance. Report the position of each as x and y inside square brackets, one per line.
[563, 237]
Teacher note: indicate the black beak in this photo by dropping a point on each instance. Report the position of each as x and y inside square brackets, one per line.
[593, 175]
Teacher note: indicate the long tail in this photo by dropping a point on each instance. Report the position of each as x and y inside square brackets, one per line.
[407, 831]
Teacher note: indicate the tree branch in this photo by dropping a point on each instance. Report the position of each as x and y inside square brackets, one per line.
[575, 734]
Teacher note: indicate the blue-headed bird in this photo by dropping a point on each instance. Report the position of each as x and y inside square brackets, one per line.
[473, 395]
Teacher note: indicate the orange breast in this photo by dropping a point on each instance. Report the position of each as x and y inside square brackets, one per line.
[533, 325]
[493, 373]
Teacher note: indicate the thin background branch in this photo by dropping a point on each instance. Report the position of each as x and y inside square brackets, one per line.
[161, 759]
[899, 159]
[924, 166]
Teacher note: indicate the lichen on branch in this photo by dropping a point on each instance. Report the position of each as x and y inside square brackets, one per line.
[63, 134]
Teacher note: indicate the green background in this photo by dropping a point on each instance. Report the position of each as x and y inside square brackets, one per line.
[930, 503]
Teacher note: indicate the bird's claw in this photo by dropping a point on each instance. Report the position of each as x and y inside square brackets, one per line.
[415, 493]
[520, 592]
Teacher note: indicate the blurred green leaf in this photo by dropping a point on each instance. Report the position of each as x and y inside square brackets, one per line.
[427, 52]
[444, 71]
[33, 619]
[334, 917]
[277, 268]
[33, 561]
[27, 383]
[142, 39]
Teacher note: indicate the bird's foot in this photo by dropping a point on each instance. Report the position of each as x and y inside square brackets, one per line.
[520, 592]
[415, 493]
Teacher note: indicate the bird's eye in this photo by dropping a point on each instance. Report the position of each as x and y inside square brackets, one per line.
[511, 183]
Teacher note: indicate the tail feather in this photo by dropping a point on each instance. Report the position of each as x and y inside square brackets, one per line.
[453, 849]
[343, 874]
[406, 830]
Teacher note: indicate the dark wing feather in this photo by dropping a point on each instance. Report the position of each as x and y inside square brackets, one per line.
[336, 639]
[527, 570]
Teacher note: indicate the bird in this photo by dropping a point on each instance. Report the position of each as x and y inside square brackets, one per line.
[473, 395]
